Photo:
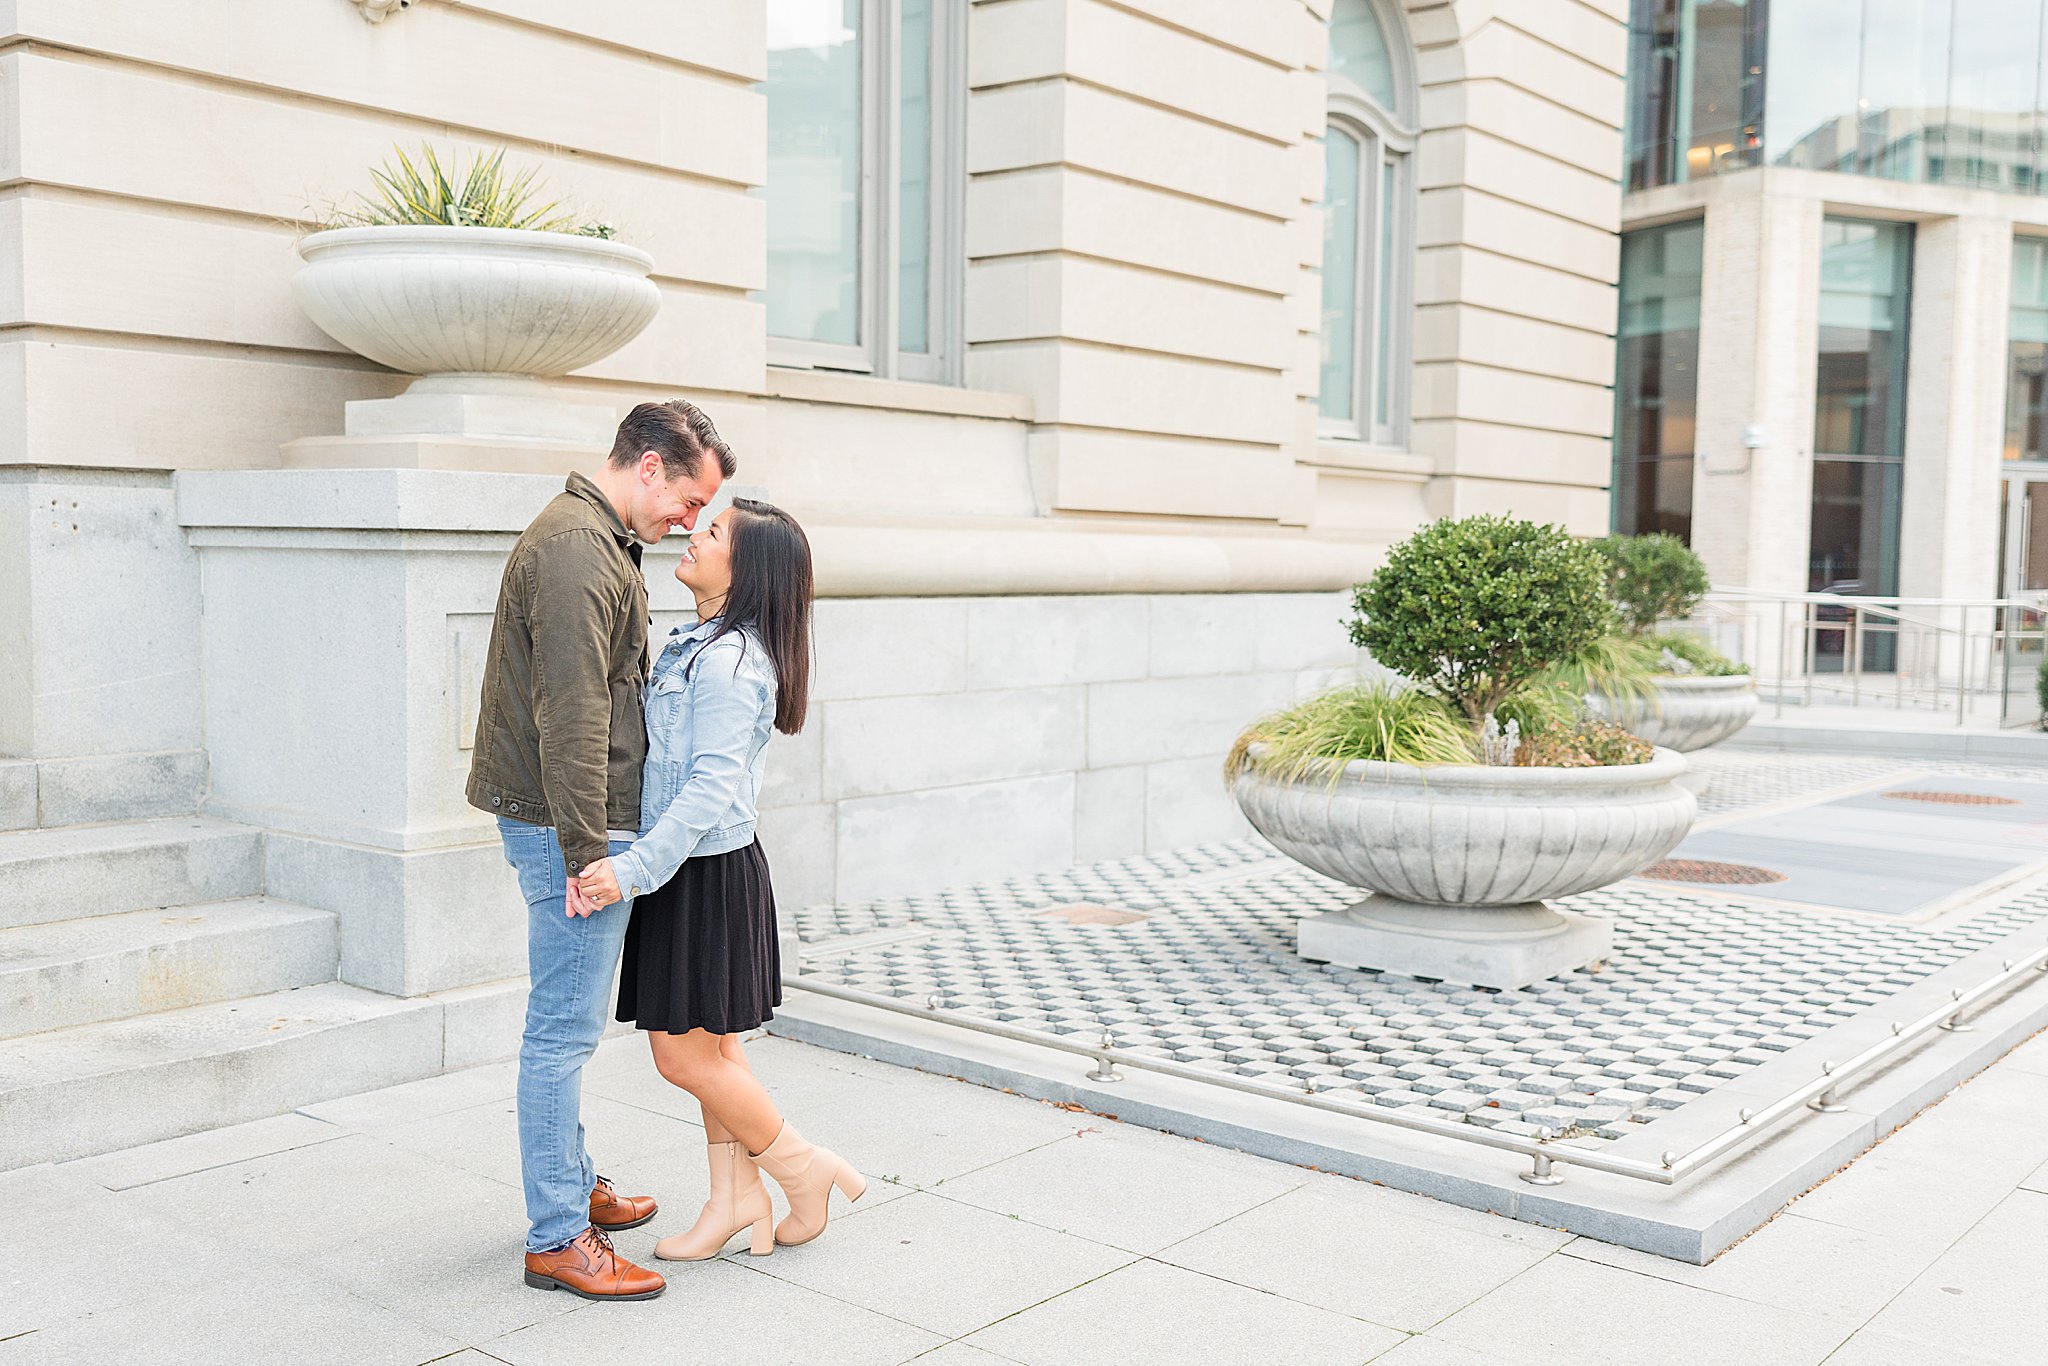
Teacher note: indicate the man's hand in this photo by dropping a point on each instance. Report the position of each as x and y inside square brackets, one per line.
[575, 902]
[600, 886]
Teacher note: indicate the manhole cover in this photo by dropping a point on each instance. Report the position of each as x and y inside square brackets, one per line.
[1707, 870]
[1955, 798]
[1089, 913]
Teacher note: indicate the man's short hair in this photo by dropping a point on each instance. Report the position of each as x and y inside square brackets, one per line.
[679, 433]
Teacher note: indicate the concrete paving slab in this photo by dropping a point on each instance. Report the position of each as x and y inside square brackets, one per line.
[958, 1354]
[1546, 1317]
[485, 1138]
[1804, 1265]
[1149, 1311]
[1428, 1351]
[199, 1152]
[210, 1323]
[415, 1100]
[309, 1201]
[1129, 1187]
[944, 1266]
[456, 1271]
[716, 1311]
[1354, 1249]
[118, 1235]
[1985, 1294]
[955, 1132]
[1869, 1348]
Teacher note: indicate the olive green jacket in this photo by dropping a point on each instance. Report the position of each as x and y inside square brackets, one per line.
[559, 738]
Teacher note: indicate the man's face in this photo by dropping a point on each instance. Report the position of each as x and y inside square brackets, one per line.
[661, 504]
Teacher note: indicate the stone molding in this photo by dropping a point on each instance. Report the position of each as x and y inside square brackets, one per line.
[377, 11]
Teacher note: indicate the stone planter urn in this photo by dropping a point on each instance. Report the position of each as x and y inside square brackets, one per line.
[457, 304]
[1459, 860]
[1688, 712]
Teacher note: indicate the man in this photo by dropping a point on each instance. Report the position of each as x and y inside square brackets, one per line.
[559, 747]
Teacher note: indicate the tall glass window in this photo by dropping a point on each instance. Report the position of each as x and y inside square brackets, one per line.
[2026, 372]
[1943, 91]
[1859, 422]
[1656, 385]
[1366, 291]
[863, 185]
[1695, 89]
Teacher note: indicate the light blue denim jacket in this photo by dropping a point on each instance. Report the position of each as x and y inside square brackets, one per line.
[710, 711]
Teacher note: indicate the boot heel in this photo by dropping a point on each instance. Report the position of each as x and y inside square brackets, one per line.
[851, 1183]
[539, 1282]
[764, 1236]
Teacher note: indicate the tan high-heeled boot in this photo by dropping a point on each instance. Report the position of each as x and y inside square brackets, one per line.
[807, 1176]
[737, 1200]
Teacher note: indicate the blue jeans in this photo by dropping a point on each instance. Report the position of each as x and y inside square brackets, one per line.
[571, 960]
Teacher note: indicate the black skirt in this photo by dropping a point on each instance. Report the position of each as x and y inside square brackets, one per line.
[701, 951]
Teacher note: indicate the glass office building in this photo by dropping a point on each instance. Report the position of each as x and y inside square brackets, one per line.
[1832, 352]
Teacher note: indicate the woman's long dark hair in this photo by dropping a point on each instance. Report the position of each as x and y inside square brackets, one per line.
[771, 591]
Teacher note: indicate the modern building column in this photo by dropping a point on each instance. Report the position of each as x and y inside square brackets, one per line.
[1955, 408]
[1759, 340]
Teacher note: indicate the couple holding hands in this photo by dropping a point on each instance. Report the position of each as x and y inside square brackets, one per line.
[626, 800]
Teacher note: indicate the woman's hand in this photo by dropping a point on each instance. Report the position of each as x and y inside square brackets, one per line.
[597, 882]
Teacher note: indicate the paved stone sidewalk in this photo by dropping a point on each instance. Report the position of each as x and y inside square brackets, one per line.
[385, 1229]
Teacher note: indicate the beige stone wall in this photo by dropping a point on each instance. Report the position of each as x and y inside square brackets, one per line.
[1518, 255]
[1141, 222]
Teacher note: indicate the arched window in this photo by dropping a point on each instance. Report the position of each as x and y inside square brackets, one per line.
[1367, 224]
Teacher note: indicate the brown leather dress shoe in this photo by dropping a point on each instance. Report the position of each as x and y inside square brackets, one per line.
[588, 1266]
[612, 1211]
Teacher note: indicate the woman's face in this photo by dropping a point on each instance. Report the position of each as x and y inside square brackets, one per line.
[706, 567]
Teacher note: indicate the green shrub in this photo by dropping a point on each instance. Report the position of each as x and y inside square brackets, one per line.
[1582, 744]
[478, 194]
[1703, 658]
[1473, 609]
[1651, 579]
[2041, 690]
[1319, 736]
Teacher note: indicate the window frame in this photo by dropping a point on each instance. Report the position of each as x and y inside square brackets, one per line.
[1385, 137]
[878, 353]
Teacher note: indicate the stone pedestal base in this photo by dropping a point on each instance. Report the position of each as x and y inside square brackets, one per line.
[1505, 947]
[463, 422]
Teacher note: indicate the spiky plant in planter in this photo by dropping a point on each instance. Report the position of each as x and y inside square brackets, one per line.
[1383, 787]
[468, 273]
[1670, 687]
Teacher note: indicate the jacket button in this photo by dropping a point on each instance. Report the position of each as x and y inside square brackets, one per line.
[495, 802]
[514, 808]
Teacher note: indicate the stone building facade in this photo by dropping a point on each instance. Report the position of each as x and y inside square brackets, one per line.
[1082, 497]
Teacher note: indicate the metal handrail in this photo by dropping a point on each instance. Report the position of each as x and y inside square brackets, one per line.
[1545, 1151]
[1957, 653]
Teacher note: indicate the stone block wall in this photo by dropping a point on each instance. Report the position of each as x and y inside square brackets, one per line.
[963, 738]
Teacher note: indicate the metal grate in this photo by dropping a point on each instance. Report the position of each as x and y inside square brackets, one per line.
[1955, 798]
[1708, 871]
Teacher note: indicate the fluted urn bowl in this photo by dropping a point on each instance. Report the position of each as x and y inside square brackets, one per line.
[483, 301]
[1461, 859]
[1687, 712]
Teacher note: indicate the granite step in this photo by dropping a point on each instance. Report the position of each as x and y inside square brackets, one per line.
[88, 1089]
[77, 872]
[108, 967]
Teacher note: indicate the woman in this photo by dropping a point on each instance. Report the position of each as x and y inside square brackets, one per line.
[701, 963]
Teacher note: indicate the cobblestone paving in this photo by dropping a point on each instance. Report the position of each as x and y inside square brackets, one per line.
[1700, 988]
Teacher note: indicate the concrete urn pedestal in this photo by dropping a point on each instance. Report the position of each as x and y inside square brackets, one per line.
[1461, 859]
[1688, 712]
